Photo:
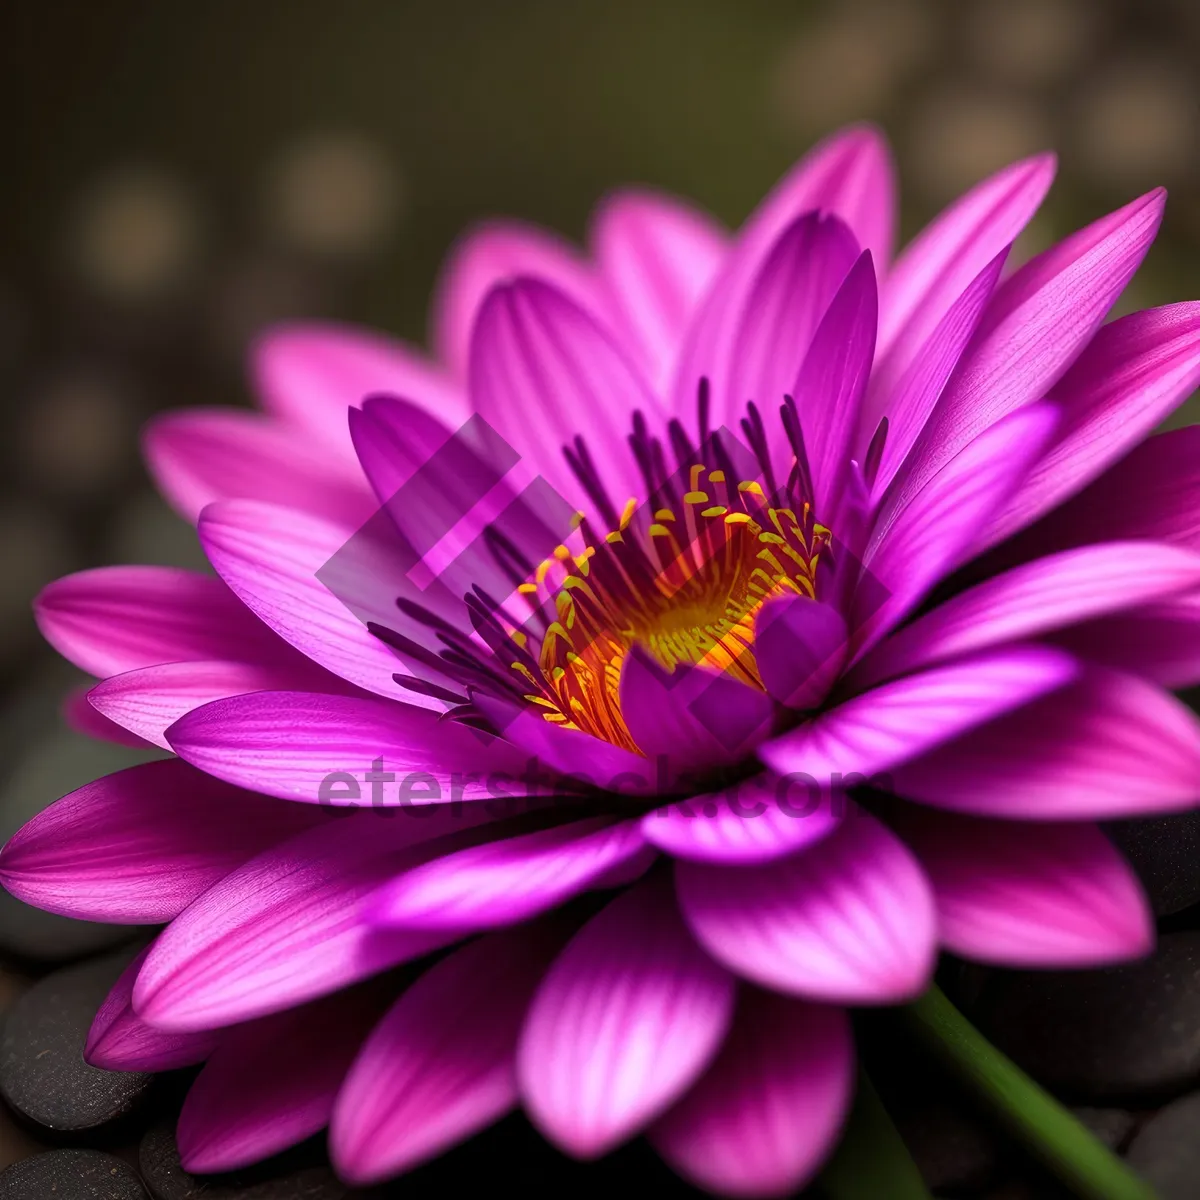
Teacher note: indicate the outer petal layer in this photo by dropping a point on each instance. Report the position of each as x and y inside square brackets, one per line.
[1021, 896]
[766, 1115]
[628, 1016]
[849, 921]
[439, 1066]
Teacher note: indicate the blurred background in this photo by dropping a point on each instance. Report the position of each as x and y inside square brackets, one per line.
[178, 175]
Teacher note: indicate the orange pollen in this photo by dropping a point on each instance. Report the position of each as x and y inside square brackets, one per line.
[686, 584]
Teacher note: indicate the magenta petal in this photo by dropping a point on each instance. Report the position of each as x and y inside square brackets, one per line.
[939, 263]
[394, 438]
[1024, 895]
[270, 557]
[908, 402]
[693, 717]
[120, 1041]
[767, 1114]
[509, 880]
[1158, 483]
[1029, 600]
[790, 295]
[78, 714]
[440, 1065]
[628, 1016]
[149, 701]
[576, 759]
[200, 455]
[849, 175]
[272, 1082]
[1038, 322]
[287, 926]
[1135, 372]
[832, 379]
[312, 374]
[492, 254]
[1108, 746]
[800, 647]
[138, 846]
[881, 728]
[656, 257]
[1160, 642]
[113, 619]
[921, 535]
[544, 373]
[294, 744]
[756, 821]
[850, 920]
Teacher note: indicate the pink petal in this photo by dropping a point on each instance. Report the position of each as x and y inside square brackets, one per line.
[312, 374]
[271, 558]
[113, 619]
[762, 819]
[921, 536]
[1038, 322]
[940, 262]
[849, 175]
[1030, 896]
[832, 379]
[1109, 746]
[543, 373]
[138, 846]
[291, 744]
[149, 701]
[200, 455]
[393, 439]
[272, 1082]
[449, 497]
[798, 280]
[693, 717]
[1135, 373]
[1153, 494]
[286, 927]
[575, 758]
[800, 647]
[502, 882]
[79, 715]
[440, 1065]
[891, 724]
[767, 1114]
[629, 1015]
[850, 920]
[657, 256]
[491, 255]
[908, 401]
[1029, 600]
[1160, 642]
[120, 1041]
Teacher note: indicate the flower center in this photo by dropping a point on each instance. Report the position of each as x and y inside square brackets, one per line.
[684, 581]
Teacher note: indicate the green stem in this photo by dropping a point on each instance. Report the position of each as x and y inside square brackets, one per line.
[871, 1160]
[1046, 1129]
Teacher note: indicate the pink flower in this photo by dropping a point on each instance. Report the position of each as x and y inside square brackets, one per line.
[848, 525]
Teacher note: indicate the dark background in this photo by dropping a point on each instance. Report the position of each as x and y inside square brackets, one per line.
[177, 175]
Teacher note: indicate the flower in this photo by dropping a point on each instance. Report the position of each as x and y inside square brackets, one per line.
[804, 609]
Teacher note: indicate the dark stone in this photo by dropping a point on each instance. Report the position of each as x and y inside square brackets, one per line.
[281, 1179]
[42, 1072]
[46, 938]
[1111, 1125]
[1165, 852]
[1166, 1151]
[1125, 1033]
[951, 1149]
[46, 761]
[71, 1175]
